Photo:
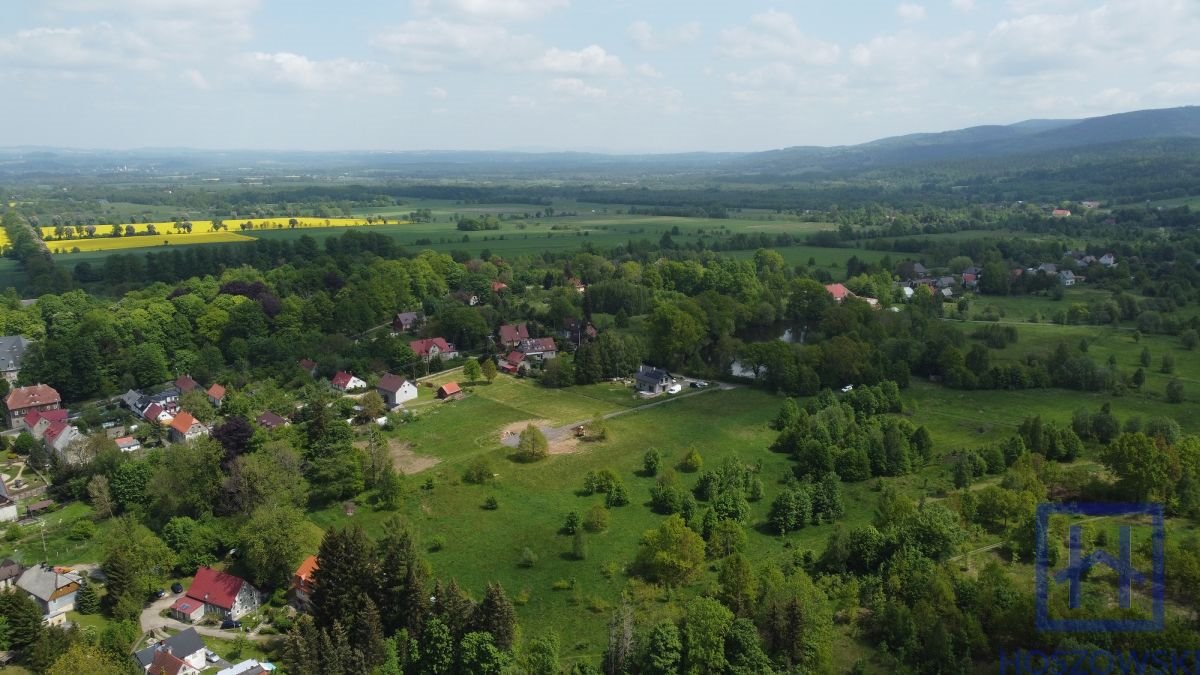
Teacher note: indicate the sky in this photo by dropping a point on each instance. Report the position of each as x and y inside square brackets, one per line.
[615, 76]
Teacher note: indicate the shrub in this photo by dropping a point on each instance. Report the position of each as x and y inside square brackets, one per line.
[1174, 391]
[479, 472]
[82, 530]
[596, 519]
[571, 526]
[692, 462]
[437, 543]
[12, 532]
[528, 558]
[651, 462]
[491, 503]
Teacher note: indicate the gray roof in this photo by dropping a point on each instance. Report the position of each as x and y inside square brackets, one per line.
[650, 374]
[12, 348]
[42, 581]
[135, 400]
[10, 569]
[182, 645]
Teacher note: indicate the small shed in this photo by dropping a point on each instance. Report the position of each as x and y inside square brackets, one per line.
[449, 391]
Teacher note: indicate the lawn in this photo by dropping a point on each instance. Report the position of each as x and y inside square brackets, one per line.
[60, 547]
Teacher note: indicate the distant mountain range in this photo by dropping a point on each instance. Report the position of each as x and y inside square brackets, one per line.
[1040, 140]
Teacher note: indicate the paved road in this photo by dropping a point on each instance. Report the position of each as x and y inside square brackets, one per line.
[151, 622]
[553, 434]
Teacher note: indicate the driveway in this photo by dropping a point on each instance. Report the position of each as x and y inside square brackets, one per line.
[151, 622]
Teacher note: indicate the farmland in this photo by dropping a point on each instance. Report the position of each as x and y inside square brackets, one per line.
[171, 233]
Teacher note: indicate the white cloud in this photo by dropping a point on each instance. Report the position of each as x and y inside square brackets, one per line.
[645, 37]
[521, 102]
[299, 71]
[647, 70]
[96, 47]
[776, 34]
[491, 10]
[438, 94]
[210, 20]
[591, 60]
[573, 86]
[196, 79]
[963, 5]
[436, 44]
[909, 11]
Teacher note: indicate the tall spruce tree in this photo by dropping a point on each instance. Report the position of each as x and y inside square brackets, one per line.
[345, 570]
[497, 616]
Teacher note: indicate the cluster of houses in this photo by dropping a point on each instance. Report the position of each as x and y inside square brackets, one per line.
[37, 409]
[164, 408]
[185, 654]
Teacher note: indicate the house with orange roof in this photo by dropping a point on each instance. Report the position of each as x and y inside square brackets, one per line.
[216, 395]
[185, 428]
[302, 581]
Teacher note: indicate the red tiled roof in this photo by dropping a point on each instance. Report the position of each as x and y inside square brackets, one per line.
[510, 333]
[515, 357]
[182, 422]
[166, 663]
[838, 291]
[308, 364]
[56, 415]
[498, 286]
[152, 412]
[544, 344]
[55, 429]
[185, 383]
[391, 383]
[305, 571]
[125, 441]
[187, 605]
[25, 397]
[421, 347]
[449, 389]
[341, 379]
[215, 588]
[217, 391]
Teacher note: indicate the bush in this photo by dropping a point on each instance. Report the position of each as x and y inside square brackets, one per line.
[528, 558]
[12, 532]
[82, 530]
[596, 519]
[1174, 391]
[479, 472]
[437, 543]
[651, 462]
[571, 526]
[491, 503]
[692, 462]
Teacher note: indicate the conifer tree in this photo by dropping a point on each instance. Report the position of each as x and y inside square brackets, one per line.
[497, 616]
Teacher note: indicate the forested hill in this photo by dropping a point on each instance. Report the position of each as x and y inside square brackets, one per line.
[982, 143]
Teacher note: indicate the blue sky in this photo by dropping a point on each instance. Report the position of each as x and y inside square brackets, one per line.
[597, 75]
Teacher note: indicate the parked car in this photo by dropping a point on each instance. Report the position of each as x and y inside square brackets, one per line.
[699, 384]
[211, 656]
[160, 593]
[847, 389]
[230, 623]
[176, 588]
[674, 389]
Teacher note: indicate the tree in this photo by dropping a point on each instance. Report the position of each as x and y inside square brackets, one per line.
[692, 462]
[496, 615]
[472, 371]
[196, 402]
[664, 650]
[579, 545]
[101, 496]
[739, 585]
[706, 622]
[87, 601]
[373, 406]
[345, 571]
[437, 649]
[24, 619]
[389, 489]
[532, 445]
[273, 543]
[672, 554]
[1174, 391]
[81, 657]
[1143, 468]
[596, 519]
[489, 370]
[651, 462]
[616, 495]
[478, 655]
[1168, 364]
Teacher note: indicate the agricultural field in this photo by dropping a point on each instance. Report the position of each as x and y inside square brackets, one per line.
[124, 244]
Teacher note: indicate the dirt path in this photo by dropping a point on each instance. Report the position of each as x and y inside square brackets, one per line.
[566, 433]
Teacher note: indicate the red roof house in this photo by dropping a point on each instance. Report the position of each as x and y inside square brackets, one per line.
[216, 394]
[185, 383]
[498, 286]
[185, 428]
[449, 390]
[187, 608]
[24, 400]
[166, 663]
[1061, 213]
[839, 292]
[302, 585]
[309, 366]
[223, 594]
[431, 347]
[343, 381]
[513, 362]
[270, 420]
[511, 335]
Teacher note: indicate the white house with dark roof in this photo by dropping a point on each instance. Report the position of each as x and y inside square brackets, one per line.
[395, 390]
[12, 350]
[185, 646]
[53, 590]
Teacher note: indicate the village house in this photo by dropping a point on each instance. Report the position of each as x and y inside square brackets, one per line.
[24, 400]
[499, 286]
[36, 423]
[450, 391]
[343, 381]
[186, 646]
[54, 591]
[270, 420]
[248, 667]
[1061, 213]
[395, 390]
[128, 444]
[513, 362]
[466, 297]
[216, 395]
[185, 428]
[405, 322]
[651, 380]
[186, 384]
[220, 594]
[302, 586]
[578, 285]
[309, 366]
[1108, 260]
[578, 331]
[538, 348]
[839, 292]
[511, 335]
[12, 351]
[1047, 268]
[435, 347]
[58, 439]
[10, 571]
[1067, 278]
[8, 505]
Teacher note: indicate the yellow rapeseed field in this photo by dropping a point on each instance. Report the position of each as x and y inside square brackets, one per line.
[166, 233]
[169, 238]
